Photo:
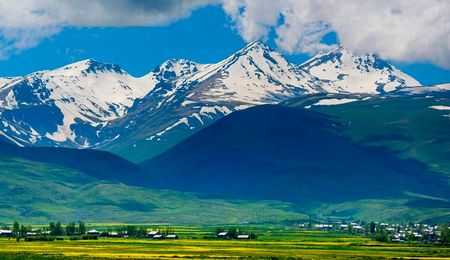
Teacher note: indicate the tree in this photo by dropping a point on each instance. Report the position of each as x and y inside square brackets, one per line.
[411, 237]
[131, 231]
[309, 226]
[58, 229]
[372, 227]
[142, 232]
[52, 228]
[16, 229]
[23, 230]
[81, 228]
[445, 234]
[381, 236]
[71, 228]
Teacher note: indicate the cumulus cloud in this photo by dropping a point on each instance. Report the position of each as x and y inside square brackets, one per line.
[402, 30]
[24, 23]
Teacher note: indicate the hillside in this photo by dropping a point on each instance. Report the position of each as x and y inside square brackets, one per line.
[38, 186]
[299, 156]
[412, 123]
[96, 164]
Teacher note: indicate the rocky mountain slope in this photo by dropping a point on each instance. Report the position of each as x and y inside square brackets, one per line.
[89, 104]
[67, 106]
[357, 74]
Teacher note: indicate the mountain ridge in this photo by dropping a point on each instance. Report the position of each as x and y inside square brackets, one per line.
[89, 104]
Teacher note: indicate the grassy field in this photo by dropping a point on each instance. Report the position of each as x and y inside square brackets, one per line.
[272, 243]
[42, 192]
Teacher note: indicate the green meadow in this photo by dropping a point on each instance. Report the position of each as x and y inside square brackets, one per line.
[273, 242]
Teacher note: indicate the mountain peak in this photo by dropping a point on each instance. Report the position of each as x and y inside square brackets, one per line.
[175, 68]
[254, 46]
[93, 66]
[177, 62]
[257, 52]
[351, 72]
[341, 54]
[257, 43]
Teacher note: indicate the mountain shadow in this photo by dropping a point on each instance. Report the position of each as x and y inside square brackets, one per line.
[97, 164]
[288, 154]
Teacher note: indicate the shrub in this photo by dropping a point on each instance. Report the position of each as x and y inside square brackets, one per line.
[381, 236]
[89, 237]
[39, 238]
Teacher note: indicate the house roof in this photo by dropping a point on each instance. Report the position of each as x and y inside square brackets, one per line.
[222, 234]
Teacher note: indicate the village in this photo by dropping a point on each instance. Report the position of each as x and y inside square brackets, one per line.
[387, 232]
[383, 232]
[78, 231]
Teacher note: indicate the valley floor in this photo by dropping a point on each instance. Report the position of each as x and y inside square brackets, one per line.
[272, 243]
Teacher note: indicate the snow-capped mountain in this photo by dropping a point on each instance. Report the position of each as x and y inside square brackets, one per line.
[96, 105]
[189, 96]
[357, 74]
[174, 71]
[253, 75]
[183, 103]
[67, 106]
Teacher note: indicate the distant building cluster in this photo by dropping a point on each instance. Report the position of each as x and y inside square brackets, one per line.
[234, 233]
[386, 231]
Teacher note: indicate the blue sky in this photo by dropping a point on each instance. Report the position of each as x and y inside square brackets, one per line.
[206, 36]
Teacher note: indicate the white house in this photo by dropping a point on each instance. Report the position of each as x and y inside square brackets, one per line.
[93, 232]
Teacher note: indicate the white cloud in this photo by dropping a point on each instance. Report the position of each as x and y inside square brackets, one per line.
[403, 30]
[24, 23]
[260, 11]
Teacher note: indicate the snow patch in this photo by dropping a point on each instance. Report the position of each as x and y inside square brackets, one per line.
[183, 120]
[11, 139]
[334, 101]
[440, 107]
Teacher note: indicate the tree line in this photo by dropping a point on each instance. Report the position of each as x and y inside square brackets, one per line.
[78, 229]
[53, 229]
